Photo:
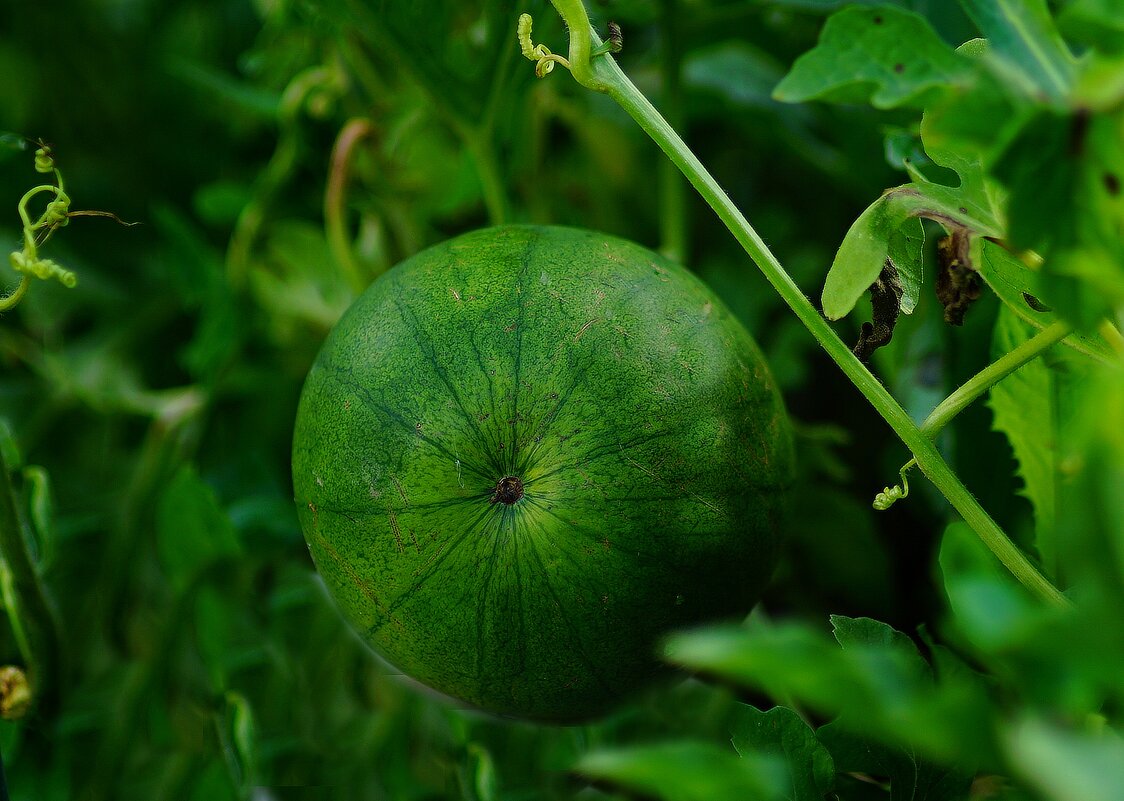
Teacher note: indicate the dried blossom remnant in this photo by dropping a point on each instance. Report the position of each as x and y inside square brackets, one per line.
[886, 302]
[15, 693]
[958, 283]
[616, 38]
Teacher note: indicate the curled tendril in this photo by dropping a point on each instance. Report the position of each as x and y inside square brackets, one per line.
[42, 268]
[539, 53]
[56, 214]
[44, 159]
[891, 495]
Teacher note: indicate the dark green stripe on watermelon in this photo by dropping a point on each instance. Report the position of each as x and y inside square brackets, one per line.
[647, 436]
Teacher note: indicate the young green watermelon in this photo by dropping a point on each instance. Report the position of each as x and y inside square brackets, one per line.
[526, 454]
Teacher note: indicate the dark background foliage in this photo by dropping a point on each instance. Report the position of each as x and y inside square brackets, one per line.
[201, 656]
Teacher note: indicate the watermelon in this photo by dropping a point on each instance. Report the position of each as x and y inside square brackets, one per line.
[525, 455]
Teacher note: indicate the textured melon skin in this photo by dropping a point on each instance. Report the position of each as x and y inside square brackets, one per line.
[640, 417]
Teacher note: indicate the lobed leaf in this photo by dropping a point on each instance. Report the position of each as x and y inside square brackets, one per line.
[857, 632]
[781, 733]
[883, 55]
[1025, 409]
[1019, 288]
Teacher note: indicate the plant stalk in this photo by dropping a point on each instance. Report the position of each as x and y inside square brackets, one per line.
[673, 191]
[603, 74]
[991, 375]
[335, 200]
[35, 614]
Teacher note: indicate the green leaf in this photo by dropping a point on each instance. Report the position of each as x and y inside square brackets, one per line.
[1065, 766]
[1041, 169]
[976, 118]
[883, 55]
[239, 94]
[1091, 505]
[213, 784]
[784, 660]
[740, 73]
[12, 143]
[887, 230]
[1025, 409]
[878, 234]
[41, 514]
[686, 771]
[1019, 288]
[1066, 201]
[858, 632]
[782, 734]
[878, 684]
[1023, 38]
[482, 772]
[240, 749]
[214, 634]
[1097, 23]
[990, 608]
[452, 49]
[965, 158]
[911, 777]
[192, 530]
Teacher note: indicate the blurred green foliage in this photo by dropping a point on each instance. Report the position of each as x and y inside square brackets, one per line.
[148, 411]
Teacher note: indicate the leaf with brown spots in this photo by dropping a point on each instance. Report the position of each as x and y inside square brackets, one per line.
[886, 56]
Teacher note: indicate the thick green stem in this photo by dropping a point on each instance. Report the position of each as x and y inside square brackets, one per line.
[991, 375]
[604, 75]
[34, 616]
[673, 190]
